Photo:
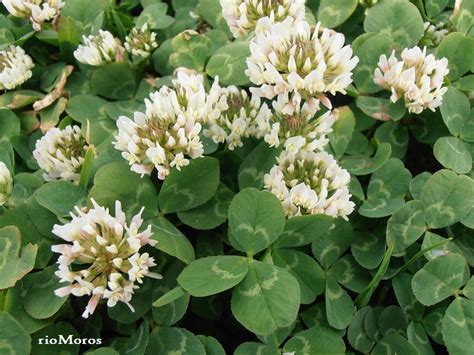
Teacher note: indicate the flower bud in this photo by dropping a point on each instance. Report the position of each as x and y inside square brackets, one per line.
[310, 183]
[61, 153]
[141, 41]
[6, 183]
[99, 49]
[243, 16]
[15, 67]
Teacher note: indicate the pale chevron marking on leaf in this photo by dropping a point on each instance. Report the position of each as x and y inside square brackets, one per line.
[453, 147]
[443, 210]
[184, 192]
[373, 206]
[226, 58]
[254, 291]
[380, 187]
[330, 247]
[465, 13]
[366, 245]
[395, 140]
[334, 295]
[404, 231]
[182, 347]
[6, 251]
[268, 283]
[460, 323]
[224, 274]
[445, 283]
[294, 235]
[332, 13]
[217, 209]
[306, 344]
[348, 272]
[294, 263]
[254, 231]
[421, 340]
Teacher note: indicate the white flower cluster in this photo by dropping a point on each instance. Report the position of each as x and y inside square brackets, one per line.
[243, 16]
[15, 67]
[167, 134]
[60, 153]
[434, 33]
[291, 57]
[310, 183]
[295, 125]
[37, 11]
[141, 41]
[240, 116]
[103, 259]
[6, 183]
[417, 78]
[99, 49]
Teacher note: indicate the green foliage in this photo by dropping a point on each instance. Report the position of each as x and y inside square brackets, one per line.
[208, 276]
[233, 272]
[14, 266]
[256, 219]
[193, 186]
[228, 63]
[333, 13]
[15, 339]
[114, 81]
[272, 291]
[400, 19]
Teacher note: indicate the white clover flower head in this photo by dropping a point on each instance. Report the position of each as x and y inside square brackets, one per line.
[310, 183]
[296, 124]
[166, 135]
[242, 16]
[102, 258]
[293, 57]
[98, 49]
[434, 34]
[37, 11]
[141, 41]
[15, 67]
[417, 78]
[240, 116]
[6, 184]
[60, 153]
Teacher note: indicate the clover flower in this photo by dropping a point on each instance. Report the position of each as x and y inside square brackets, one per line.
[6, 183]
[310, 183]
[241, 115]
[417, 78]
[167, 133]
[15, 67]
[242, 16]
[141, 41]
[295, 125]
[60, 153]
[37, 11]
[99, 49]
[102, 258]
[293, 57]
[433, 33]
